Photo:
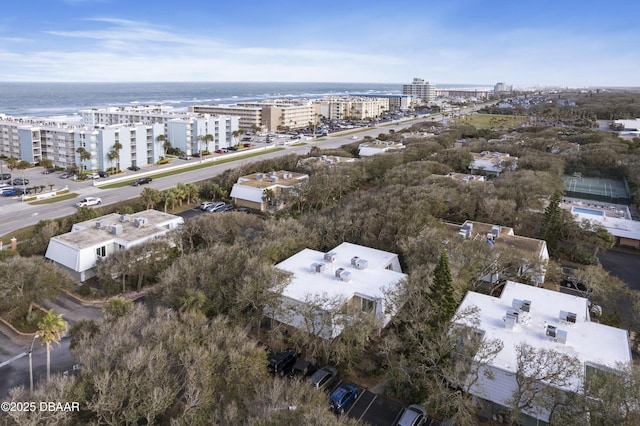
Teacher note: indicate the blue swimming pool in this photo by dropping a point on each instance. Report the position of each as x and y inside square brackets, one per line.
[587, 211]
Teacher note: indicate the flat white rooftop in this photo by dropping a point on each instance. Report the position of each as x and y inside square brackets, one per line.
[589, 342]
[382, 272]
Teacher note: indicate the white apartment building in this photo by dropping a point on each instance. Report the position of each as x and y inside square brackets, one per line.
[136, 129]
[187, 132]
[420, 89]
[351, 107]
[543, 319]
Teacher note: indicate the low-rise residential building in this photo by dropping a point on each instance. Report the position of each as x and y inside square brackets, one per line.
[615, 219]
[77, 252]
[533, 252]
[325, 287]
[463, 177]
[265, 191]
[492, 163]
[542, 319]
[367, 149]
[324, 160]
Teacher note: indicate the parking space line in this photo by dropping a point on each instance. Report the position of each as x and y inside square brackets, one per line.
[367, 409]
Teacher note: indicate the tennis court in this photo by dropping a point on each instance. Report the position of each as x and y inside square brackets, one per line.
[614, 191]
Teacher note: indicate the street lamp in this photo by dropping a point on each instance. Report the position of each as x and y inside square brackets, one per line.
[31, 365]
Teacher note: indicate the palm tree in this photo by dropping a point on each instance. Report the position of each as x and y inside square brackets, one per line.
[192, 192]
[117, 146]
[51, 329]
[206, 139]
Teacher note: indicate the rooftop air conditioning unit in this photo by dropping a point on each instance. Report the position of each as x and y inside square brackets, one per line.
[551, 331]
[318, 267]
[124, 218]
[360, 263]
[343, 275]
[116, 229]
[561, 336]
[98, 224]
[495, 230]
[510, 321]
[526, 306]
[274, 178]
[568, 317]
[464, 233]
[259, 176]
[514, 313]
[140, 222]
[330, 257]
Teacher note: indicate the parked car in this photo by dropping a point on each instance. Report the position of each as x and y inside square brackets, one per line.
[246, 145]
[142, 181]
[134, 168]
[215, 206]
[302, 368]
[88, 201]
[219, 151]
[281, 363]
[93, 176]
[5, 176]
[413, 415]
[20, 181]
[11, 192]
[325, 378]
[49, 171]
[342, 397]
[185, 157]
[225, 208]
[66, 175]
[205, 204]
[103, 174]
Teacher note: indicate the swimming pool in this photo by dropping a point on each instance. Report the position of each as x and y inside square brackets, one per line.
[582, 210]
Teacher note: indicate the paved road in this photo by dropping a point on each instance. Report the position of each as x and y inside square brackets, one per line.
[15, 214]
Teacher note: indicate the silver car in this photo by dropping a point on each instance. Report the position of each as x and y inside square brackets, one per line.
[325, 378]
[413, 415]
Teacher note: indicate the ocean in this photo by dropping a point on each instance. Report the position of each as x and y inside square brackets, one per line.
[58, 99]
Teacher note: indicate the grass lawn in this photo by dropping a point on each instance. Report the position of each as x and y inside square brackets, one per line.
[67, 196]
[492, 120]
[190, 168]
[298, 144]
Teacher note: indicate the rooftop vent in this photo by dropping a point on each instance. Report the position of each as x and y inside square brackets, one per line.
[569, 317]
[124, 218]
[318, 267]
[330, 257]
[116, 229]
[98, 224]
[287, 176]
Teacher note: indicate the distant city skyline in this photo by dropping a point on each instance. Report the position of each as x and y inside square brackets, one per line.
[569, 43]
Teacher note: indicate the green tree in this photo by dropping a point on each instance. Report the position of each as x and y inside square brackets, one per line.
[551, 229]
[117, 307]
[441, 293]
[51, 329]
[12, 163]
[150, 197]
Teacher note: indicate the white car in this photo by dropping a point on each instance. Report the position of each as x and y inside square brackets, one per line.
[354, 137]
[93, 176]
[88, 201]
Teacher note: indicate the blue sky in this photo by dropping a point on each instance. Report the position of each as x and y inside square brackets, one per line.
[562, 42]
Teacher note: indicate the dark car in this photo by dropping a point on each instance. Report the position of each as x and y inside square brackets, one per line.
[281, 363]
[219, 151]
[5, 176]
[302, 368]
[342, 397]
[103, 174]
[20, 181]
[49, 171]
[413, 415]
[134, 168]
[324, 378]
[226, 208]
[13, 192]
[142, 181]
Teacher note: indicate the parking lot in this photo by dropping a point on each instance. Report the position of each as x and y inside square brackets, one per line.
[375, 410]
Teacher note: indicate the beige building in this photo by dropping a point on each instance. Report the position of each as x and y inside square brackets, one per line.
[271, 116]
[265, 191]
[349, 107]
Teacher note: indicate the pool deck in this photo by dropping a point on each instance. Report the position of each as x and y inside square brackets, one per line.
[616, 211]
